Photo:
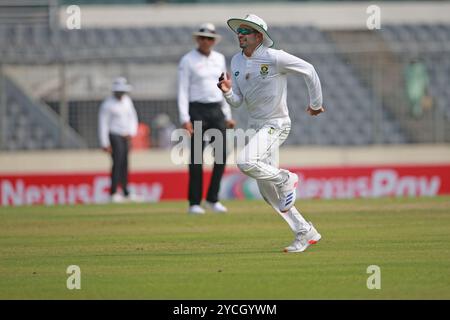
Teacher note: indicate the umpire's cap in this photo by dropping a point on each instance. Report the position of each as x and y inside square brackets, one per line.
[120, 84]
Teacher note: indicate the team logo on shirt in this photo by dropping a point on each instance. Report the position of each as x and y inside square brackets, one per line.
[264, 71]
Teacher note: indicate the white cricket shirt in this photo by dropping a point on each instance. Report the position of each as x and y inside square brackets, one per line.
[197, 81]
[260, 82]
[117, 117]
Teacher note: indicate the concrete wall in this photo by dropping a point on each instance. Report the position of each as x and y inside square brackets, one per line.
[329, 15]
[96, 160]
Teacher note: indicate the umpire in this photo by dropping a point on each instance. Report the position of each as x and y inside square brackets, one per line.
[117, 124]
[200, 100]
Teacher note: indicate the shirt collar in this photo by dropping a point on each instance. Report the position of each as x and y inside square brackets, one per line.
[202, 55]
[259, 50]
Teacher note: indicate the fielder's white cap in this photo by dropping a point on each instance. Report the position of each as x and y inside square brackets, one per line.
[120, 84]
[255, 22]
[207, 30]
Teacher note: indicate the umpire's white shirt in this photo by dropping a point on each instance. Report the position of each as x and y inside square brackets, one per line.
[116, 117]
[260, 82]
[198, 75]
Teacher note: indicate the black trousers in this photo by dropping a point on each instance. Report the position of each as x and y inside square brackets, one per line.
[119, 170]
[211, 117]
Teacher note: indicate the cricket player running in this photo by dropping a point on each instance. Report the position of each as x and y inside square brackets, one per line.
[259, 80]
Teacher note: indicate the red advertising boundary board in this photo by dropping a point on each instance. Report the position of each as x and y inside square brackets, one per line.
[153, 186]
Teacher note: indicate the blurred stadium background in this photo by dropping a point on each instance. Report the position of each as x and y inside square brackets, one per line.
[386, 91]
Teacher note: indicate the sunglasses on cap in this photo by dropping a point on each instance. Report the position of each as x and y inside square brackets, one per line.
[206, 30]
[245, 31]
[206, 38]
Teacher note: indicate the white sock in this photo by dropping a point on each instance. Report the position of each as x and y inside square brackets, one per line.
[301, 225]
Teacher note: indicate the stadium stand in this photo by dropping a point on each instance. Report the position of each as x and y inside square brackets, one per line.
[349, 102]
[32, 125]
[29, 32]
[361, 109]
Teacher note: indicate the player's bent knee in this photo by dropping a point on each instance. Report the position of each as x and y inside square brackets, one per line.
[246, 167]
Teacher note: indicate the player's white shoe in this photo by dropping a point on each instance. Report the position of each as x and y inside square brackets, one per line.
[216, 207]
[288, 192]
[303, 240]
[196, 209]
[117, 198]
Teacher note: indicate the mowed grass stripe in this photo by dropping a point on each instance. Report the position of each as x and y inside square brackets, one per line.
[157, 251]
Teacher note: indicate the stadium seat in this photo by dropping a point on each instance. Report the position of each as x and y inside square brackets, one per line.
[346, 96]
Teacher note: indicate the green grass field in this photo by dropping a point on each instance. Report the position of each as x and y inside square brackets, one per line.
[157, 251]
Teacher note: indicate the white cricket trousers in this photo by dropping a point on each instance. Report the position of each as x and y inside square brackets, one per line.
[259, 159]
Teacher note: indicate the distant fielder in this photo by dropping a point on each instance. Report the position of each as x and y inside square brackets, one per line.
[259, 80]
